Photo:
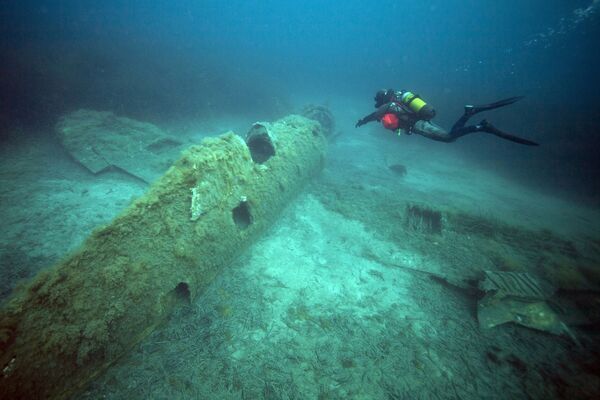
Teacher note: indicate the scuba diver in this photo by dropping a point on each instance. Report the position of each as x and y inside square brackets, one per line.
[403, 111]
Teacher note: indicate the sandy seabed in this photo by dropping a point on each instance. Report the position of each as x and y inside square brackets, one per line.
[337, 300]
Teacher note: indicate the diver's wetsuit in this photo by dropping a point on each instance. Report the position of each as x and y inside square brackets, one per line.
[406, 117]
[413, 123]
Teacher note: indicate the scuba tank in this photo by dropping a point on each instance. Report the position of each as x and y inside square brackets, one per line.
[414, 103]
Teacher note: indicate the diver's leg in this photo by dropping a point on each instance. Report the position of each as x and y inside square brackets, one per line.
[435, 132]
[485, 126]
[463, 119]
[456, 133]
[471, 110]
[432, 131]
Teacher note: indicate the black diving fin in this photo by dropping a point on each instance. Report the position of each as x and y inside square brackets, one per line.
[472, 110]
[489, 128]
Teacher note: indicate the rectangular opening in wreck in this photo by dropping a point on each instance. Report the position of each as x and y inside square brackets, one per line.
[241, 215]
[260, 144]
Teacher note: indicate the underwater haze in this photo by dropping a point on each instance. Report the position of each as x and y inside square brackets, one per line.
[169, 59]
[392, 266]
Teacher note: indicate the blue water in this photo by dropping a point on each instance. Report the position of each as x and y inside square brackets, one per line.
[197, 68]
[143, 58]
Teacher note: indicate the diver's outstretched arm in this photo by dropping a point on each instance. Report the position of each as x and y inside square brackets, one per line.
[379, 113]
[365, 120]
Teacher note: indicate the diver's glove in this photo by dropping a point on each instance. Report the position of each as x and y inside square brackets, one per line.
[359, 123]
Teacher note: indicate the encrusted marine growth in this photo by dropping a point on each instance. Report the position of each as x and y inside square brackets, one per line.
[75, 319]
[321, 114]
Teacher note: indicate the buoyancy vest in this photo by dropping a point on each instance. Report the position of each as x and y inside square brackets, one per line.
[390, 121]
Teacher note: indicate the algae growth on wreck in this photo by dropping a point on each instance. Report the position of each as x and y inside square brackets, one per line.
[194, 208]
